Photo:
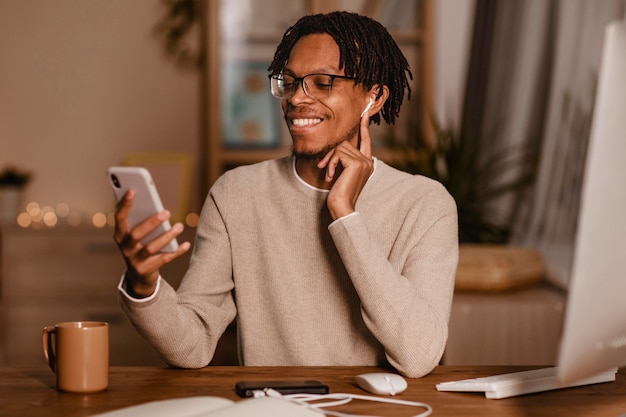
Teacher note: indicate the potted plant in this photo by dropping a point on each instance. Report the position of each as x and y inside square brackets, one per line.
[456, 161]
[13, 181]
[487, 260]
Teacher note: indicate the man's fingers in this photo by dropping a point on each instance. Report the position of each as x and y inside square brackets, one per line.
[365, 145]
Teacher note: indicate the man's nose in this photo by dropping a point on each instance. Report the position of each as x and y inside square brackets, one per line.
[299, 94]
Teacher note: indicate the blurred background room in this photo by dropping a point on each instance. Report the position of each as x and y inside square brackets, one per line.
[500, 113]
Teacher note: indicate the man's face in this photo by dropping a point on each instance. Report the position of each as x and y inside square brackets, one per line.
[318, 125]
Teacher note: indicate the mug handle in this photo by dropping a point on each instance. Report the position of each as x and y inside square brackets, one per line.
[48, 350]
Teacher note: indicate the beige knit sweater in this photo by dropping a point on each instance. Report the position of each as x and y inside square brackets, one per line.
[372, 288]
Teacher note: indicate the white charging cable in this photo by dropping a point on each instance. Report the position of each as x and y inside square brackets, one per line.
[317, 402]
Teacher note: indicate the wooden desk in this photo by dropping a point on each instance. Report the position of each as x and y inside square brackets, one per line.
[31, 392]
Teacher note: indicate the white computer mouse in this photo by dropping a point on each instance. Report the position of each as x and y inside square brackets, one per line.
[381, 383]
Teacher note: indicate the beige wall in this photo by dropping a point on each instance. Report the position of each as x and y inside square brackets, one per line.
[82, 83]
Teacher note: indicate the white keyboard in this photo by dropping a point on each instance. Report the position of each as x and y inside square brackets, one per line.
[519, 383]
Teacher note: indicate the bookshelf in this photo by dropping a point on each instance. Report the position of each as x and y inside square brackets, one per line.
[241, 38]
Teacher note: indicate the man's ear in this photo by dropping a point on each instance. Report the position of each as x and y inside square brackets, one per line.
[380, 96]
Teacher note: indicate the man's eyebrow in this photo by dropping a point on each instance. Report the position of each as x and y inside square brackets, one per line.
[321, 70]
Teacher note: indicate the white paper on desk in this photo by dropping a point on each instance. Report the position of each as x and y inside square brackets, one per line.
[176, 407]
[205, 406]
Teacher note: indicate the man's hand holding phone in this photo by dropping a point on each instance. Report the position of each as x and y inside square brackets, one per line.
[143, 261]
[142, 230]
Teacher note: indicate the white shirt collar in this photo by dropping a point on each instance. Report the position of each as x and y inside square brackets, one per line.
[295, 172]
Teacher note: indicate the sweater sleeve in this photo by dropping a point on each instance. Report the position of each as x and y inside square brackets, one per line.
[184, 326]
[405, 299]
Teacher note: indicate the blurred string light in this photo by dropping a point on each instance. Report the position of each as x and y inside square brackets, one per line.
[36, 216]
[192, 219]
[99, 220]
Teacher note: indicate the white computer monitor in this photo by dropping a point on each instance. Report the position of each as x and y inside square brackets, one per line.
[594, 332]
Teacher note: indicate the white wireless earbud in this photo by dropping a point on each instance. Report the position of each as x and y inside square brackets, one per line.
[369, 106]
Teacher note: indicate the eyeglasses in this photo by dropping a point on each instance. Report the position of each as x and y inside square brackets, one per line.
[316, 86]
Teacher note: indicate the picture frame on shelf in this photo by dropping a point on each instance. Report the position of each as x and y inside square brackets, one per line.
[250, 117]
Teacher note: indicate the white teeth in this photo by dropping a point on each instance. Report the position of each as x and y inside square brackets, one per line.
[305, 122]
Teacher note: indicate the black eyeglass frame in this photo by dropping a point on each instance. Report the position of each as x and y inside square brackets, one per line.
[300, 80]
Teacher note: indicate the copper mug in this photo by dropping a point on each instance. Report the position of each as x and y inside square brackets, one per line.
[79, 355]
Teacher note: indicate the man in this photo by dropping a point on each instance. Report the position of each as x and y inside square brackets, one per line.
[326, 257]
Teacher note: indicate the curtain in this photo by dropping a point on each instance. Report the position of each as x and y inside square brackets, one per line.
[530, 88]
[505, 99]
[554, 213]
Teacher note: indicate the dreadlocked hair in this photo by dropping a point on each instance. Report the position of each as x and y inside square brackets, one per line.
[367, 52]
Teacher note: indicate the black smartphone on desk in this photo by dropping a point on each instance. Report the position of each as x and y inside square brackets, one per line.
[247, 388]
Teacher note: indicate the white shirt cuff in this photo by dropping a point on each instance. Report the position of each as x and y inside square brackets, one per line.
[354, 213]
[122, 289]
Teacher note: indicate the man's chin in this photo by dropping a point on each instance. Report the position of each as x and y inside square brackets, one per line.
[308, 156]
[312, 155]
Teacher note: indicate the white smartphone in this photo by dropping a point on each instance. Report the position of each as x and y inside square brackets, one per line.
[147, 201]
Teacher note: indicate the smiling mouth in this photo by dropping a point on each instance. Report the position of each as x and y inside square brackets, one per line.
[305, 122]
